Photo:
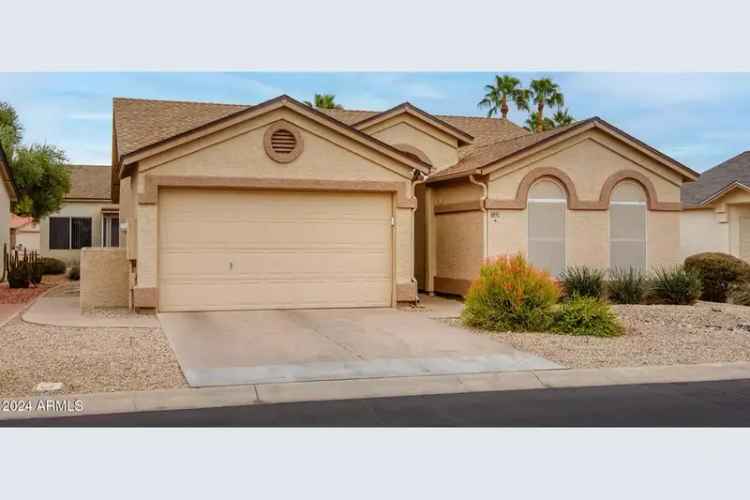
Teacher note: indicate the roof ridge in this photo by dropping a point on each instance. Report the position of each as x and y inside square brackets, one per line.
[94, 165]
[180, 101]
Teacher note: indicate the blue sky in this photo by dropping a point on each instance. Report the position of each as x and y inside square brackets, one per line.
[701, 119]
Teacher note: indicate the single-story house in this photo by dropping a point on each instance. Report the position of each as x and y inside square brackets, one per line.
[87, 217]
[716, 216]
[24, 233]
[8, 195]
[280, 205]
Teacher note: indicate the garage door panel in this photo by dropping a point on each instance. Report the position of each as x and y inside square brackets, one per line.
[274, 249]
[275, 295]
[270, 233]
[342, 265]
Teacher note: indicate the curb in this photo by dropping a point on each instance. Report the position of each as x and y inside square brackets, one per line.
[273, 393]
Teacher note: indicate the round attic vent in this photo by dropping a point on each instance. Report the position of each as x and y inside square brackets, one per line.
[283, 142]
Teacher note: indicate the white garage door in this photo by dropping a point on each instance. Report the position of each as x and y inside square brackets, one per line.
[224, 249]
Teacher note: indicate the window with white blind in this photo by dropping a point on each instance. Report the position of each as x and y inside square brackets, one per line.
[546, 212]
[627, 227]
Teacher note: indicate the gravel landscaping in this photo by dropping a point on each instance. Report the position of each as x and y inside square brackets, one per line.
[24, 295]
[85, 359]
[654, 335]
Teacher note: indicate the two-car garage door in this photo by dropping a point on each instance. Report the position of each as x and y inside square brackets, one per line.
[237, 249]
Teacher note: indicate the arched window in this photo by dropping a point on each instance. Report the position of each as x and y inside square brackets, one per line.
[546, 210]
[627, 227]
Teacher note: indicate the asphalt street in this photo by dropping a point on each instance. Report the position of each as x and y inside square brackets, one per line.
[697, 404]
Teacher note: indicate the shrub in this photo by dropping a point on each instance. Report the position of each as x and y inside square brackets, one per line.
[36, 271]
[718, 272]
[676, 286]
[739, 293]
[18, 277]
[583, 282]
[627, 286]
[52, 266]
[510, 294]
[75, 272]
[586, 316]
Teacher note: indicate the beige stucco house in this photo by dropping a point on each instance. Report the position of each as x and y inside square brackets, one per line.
[280, 205]
[87, 217]
[8, 195]
[716, 216]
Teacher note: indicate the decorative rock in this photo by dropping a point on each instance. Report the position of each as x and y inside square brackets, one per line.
[48, 387]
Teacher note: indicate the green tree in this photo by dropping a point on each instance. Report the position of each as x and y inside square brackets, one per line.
[41, 178]
[11, 130]
[38, 170]
[562, 118]
[497, 96]
[324, 101]
[544, 92]
[533, 125]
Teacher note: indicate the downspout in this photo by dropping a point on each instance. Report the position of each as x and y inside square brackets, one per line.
[414, 184]
[482, 207]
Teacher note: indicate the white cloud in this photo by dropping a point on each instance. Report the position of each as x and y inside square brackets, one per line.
[421, 91]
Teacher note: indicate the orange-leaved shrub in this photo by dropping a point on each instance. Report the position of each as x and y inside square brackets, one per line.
[511, 295]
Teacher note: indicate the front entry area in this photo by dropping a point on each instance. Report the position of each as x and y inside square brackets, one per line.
[223, 249]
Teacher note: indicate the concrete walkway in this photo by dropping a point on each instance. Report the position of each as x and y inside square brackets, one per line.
[66, 311]
[436, 306]
[214, 397]
[9, 311]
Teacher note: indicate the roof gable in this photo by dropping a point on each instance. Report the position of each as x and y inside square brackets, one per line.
[717, 181]
[485, 160]
[226, 117]
[407, 108]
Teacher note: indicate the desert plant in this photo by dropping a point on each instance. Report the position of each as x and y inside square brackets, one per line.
[739, 293]
[676, 286]
[582, 281]
[586, 316]
[510, 294]
[21, 270]
[52, 266]
[718, 272]
[75, 272]
[627, 286]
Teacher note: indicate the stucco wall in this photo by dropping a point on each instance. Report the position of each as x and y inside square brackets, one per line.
[440, 148]
[104, 278]
[4, 217]
[701, 231]
[459, 245]
[239, 152]
[29, 239]
[73, 209]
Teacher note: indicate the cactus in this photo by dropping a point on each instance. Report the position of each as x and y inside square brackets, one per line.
[22, 271]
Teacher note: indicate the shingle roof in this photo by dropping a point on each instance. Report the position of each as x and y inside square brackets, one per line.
[140, 123]
[483, 130]
[712, 181]
[89, 182]
[17, 222]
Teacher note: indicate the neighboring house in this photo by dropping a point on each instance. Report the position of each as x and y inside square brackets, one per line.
[8, 195]
[716, 216]
[24, 233]
[87, 218]
[280, 205]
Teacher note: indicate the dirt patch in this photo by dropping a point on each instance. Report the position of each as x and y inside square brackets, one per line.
[24, 295]
[85, 359]
[655, 335]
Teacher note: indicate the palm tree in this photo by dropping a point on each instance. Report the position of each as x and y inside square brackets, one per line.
[505, 87]
[544, 92]
[532, 124]
[562, 118]
[324, 101]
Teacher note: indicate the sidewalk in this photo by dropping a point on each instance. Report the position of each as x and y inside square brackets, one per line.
[121, 402]
[66, 311]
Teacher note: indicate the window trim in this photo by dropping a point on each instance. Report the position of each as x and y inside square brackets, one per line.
[70, 219]
[557, 201]
[107, 229]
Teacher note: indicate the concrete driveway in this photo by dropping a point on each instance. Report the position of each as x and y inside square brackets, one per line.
[251, 347]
